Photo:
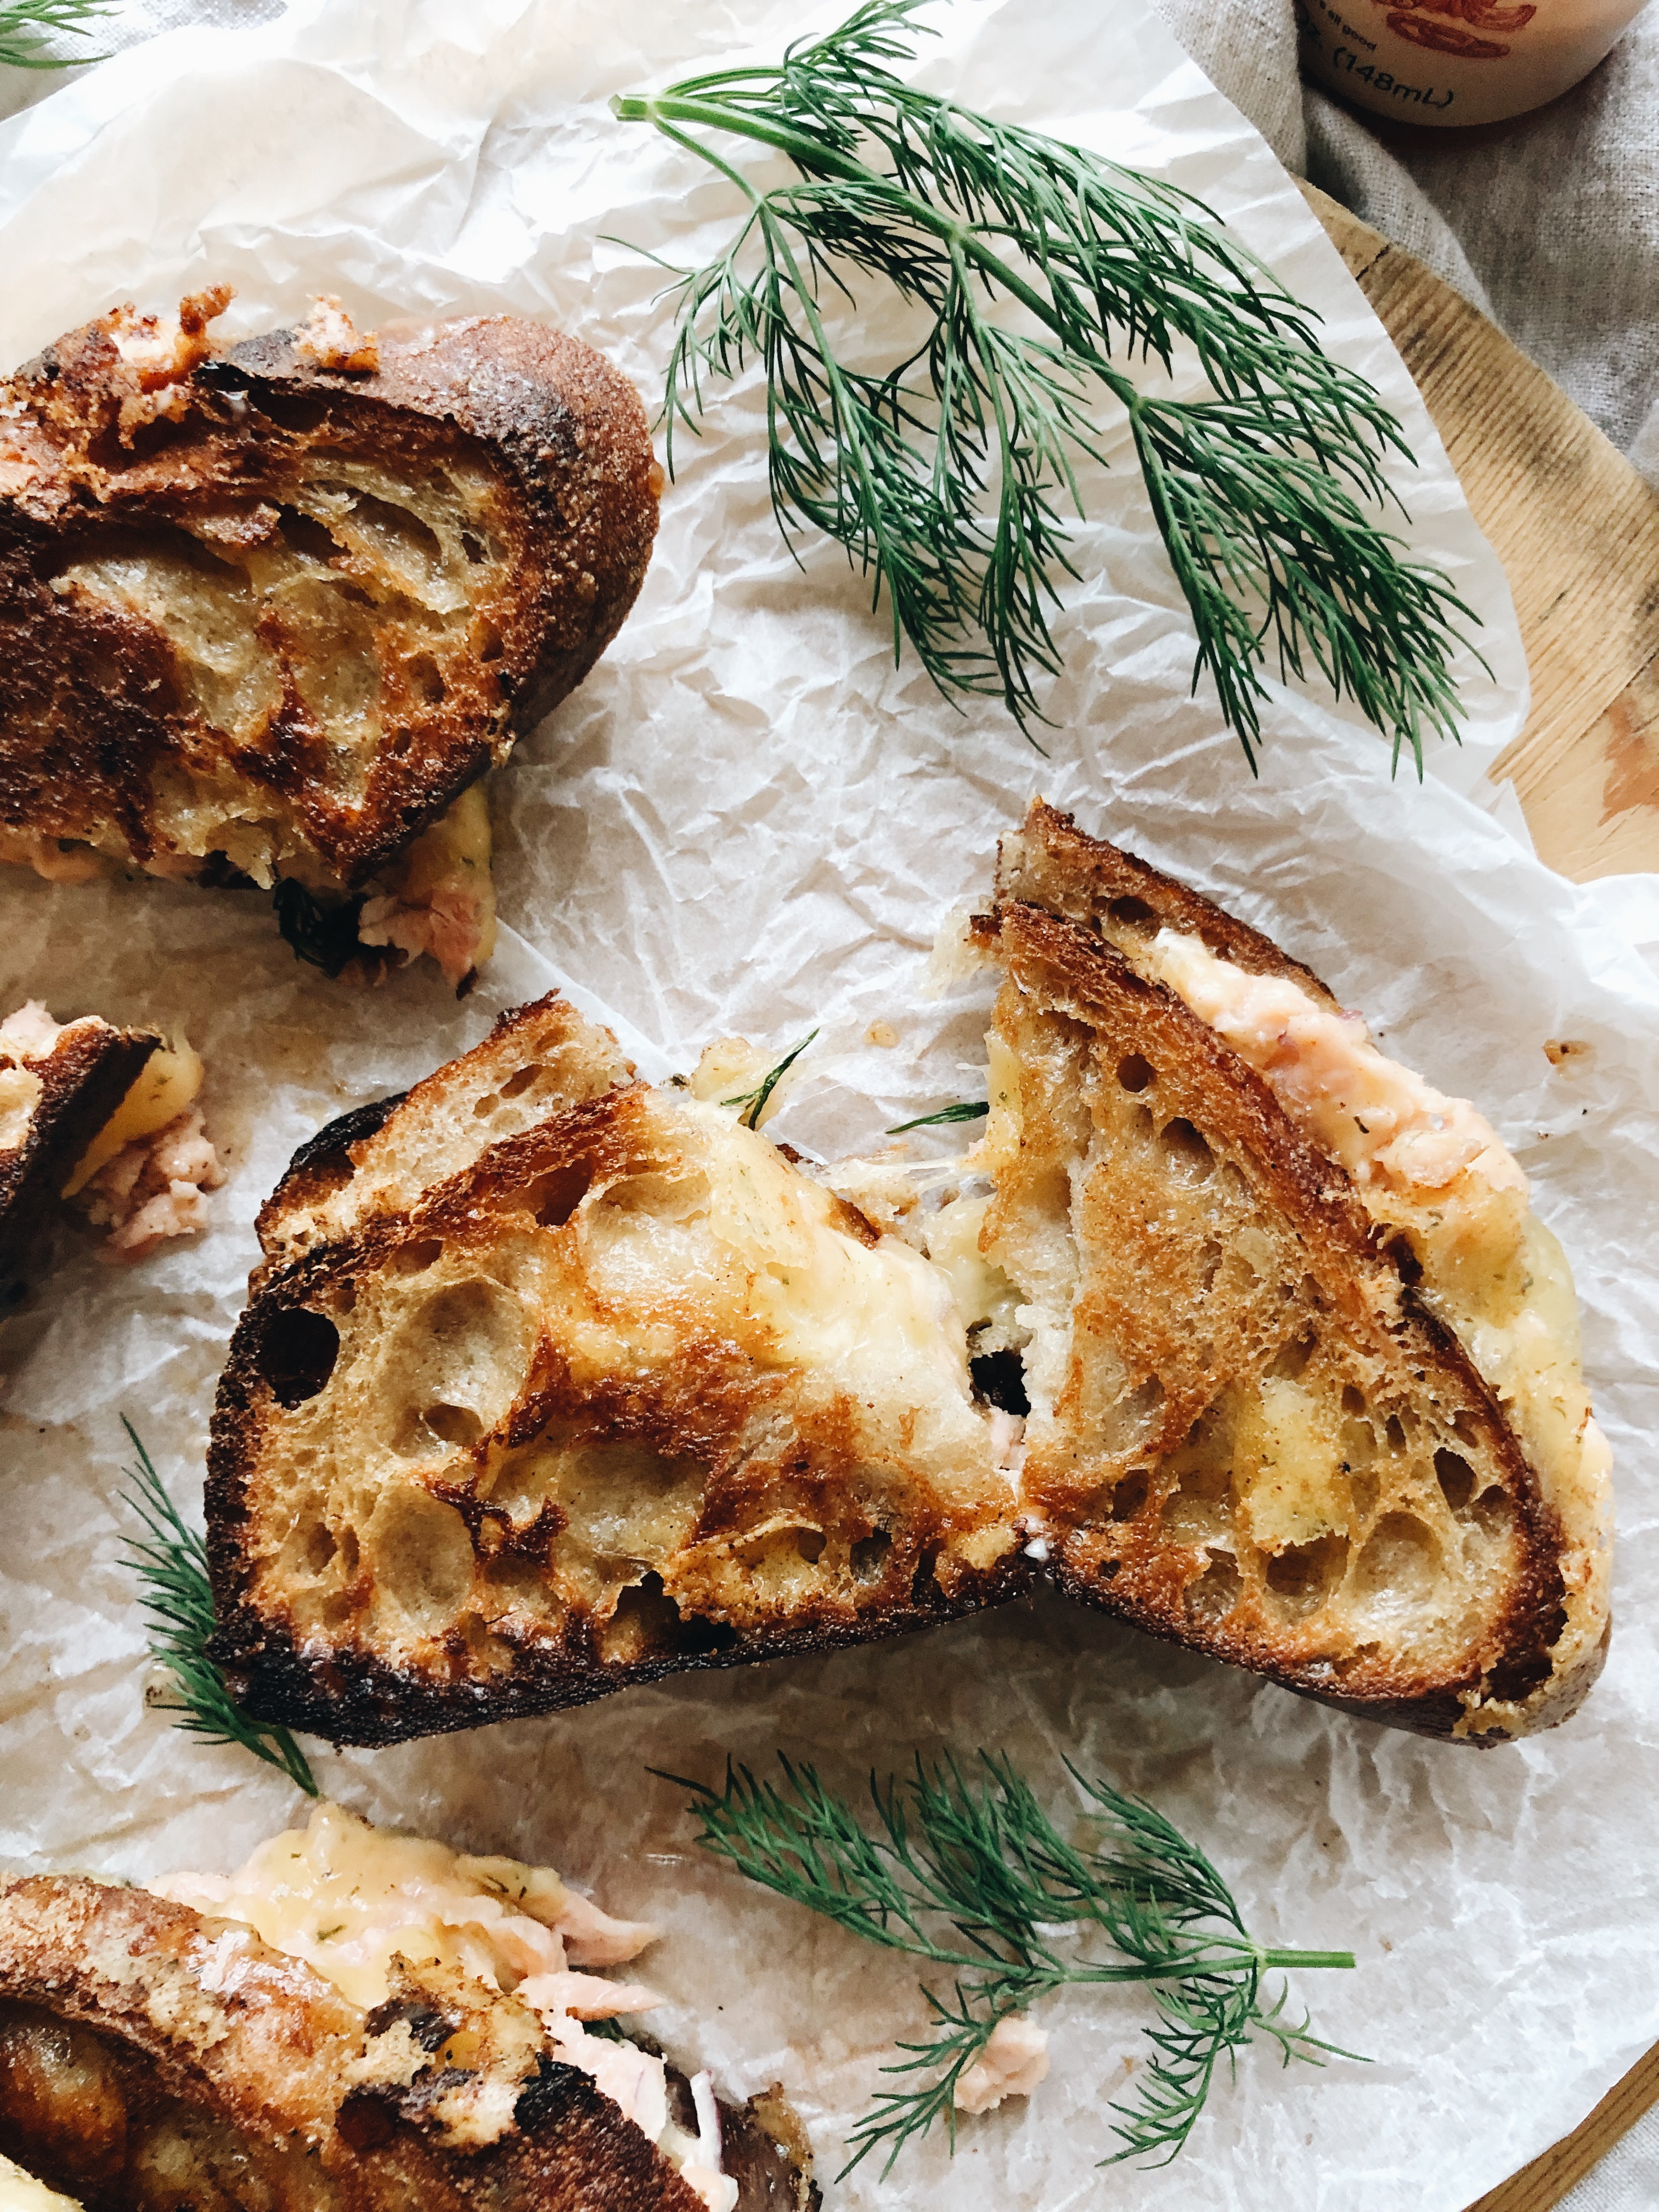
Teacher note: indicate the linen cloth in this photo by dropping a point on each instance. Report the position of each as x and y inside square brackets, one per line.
[1549, 224]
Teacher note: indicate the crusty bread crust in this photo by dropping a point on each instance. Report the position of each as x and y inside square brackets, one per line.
[206, 2037]
[83, 1080]
[1048, 862]
[239, 628]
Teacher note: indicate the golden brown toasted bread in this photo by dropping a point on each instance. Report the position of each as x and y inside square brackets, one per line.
[153, 2054]
[550, 1383]
[617, 1392]
[267, 612]
[1257, 1261]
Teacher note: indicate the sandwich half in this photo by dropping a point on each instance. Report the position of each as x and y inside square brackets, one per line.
[355, 2021]
[106, 1119]
[550, 1383]
[1302, 1364]
[269, 612]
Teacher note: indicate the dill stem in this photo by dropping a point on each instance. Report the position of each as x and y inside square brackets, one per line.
[667, 109]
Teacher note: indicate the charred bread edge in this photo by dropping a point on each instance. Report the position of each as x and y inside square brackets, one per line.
[1088, 967]
[1116, 875]
[323, 1164]
[562, 2118]
[519, 412]
[79, 1094]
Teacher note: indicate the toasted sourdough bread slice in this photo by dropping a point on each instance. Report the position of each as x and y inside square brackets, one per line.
[103, 1116]
[268, 612]
[1255, 1259]
[153, 2054]
[551, 1382]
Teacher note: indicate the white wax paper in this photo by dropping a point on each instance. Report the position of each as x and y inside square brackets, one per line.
[748, 820]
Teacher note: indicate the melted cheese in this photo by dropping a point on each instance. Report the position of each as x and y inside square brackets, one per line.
[166, 1088]
[346, 1897]
[1434, 1167]
[22, 2192]
[820, 1294]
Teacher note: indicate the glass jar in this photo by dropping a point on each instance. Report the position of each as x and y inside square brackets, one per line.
[1447, 62]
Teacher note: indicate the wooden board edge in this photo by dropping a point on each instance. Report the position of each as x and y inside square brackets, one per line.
[1587, 774]
[1577, 532]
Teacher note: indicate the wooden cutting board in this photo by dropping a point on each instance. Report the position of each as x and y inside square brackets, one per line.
[1577, 532]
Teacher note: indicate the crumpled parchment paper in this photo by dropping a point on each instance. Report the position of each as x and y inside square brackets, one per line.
[748, 820]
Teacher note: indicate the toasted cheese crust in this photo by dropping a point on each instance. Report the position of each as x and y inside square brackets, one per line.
[269, 611]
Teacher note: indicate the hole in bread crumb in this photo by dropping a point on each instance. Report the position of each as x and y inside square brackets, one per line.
[296, 1352]
[1302, 1576]
[1292, 1358]
[427, 679]
[456, 1424]
[1128, 1426]
[809, 1542]
[868, 1558]
[1130, 1494]
[1134, 1073]
[646, 1620]
[490, 643]
[999, 1379]
[1494, 1515]
[415, 1259]
[319, 1547]
[423, 1557]
[473, 548]
[1394, 1433]
[1399, 1567]
[554, 1197]
[1132, 912]
[1455, 1477]
[520, 1081]
[1216, 1591]
[1185, 1152]
[486, 1105]
[1353, 1401]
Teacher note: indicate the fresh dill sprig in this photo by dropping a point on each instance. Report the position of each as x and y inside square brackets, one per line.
[946, 475]
[968, 1872]
[966, 1109]
[753, 1103]
[322, 935]
[171, 1563]
[23, 23]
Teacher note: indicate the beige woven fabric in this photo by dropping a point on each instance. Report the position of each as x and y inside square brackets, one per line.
[1549, 223]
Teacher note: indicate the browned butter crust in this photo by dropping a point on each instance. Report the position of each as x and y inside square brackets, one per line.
[259, 613]
[150, 2059]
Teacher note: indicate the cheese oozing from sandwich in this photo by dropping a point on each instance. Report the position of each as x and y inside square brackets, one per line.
[22, 2192]
[1434, 1167]
[360, 1906]
[144, 1174]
